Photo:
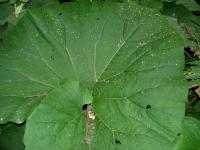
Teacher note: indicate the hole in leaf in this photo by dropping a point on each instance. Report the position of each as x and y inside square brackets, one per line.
[189, 79]
[117, 142]
[84, 107]
[63, 1]
[148, 107]
[97, 18]
[178, 134]
[60, 14]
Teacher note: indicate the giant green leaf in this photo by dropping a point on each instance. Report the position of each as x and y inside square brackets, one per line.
[189, 138]
[126, 63]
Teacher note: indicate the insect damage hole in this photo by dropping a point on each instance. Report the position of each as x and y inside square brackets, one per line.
[88, 109]
[84, 107]
[178, 134]
[118, 142]
[148, 107]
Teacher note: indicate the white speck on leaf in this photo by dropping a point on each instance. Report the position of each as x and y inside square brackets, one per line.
[141, 44]
[19, 121]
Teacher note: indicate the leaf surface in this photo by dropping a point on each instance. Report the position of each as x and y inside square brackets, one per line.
[11, 137]
[192, 5]
[155, 4]
[189, 138]
[130, 61]
[188, 21]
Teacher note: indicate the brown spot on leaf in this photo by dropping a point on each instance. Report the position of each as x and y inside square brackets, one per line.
[90, 126]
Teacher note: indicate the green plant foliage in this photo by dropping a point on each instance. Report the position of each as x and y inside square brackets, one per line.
[94, 75]
[40, 3]
[12, 10]
[123, 57]
[11, 137]
[7, 19]
[192, 5]
[189, 138]
[192, 71]
[188, 21]
[155, 4]
[6, 10]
